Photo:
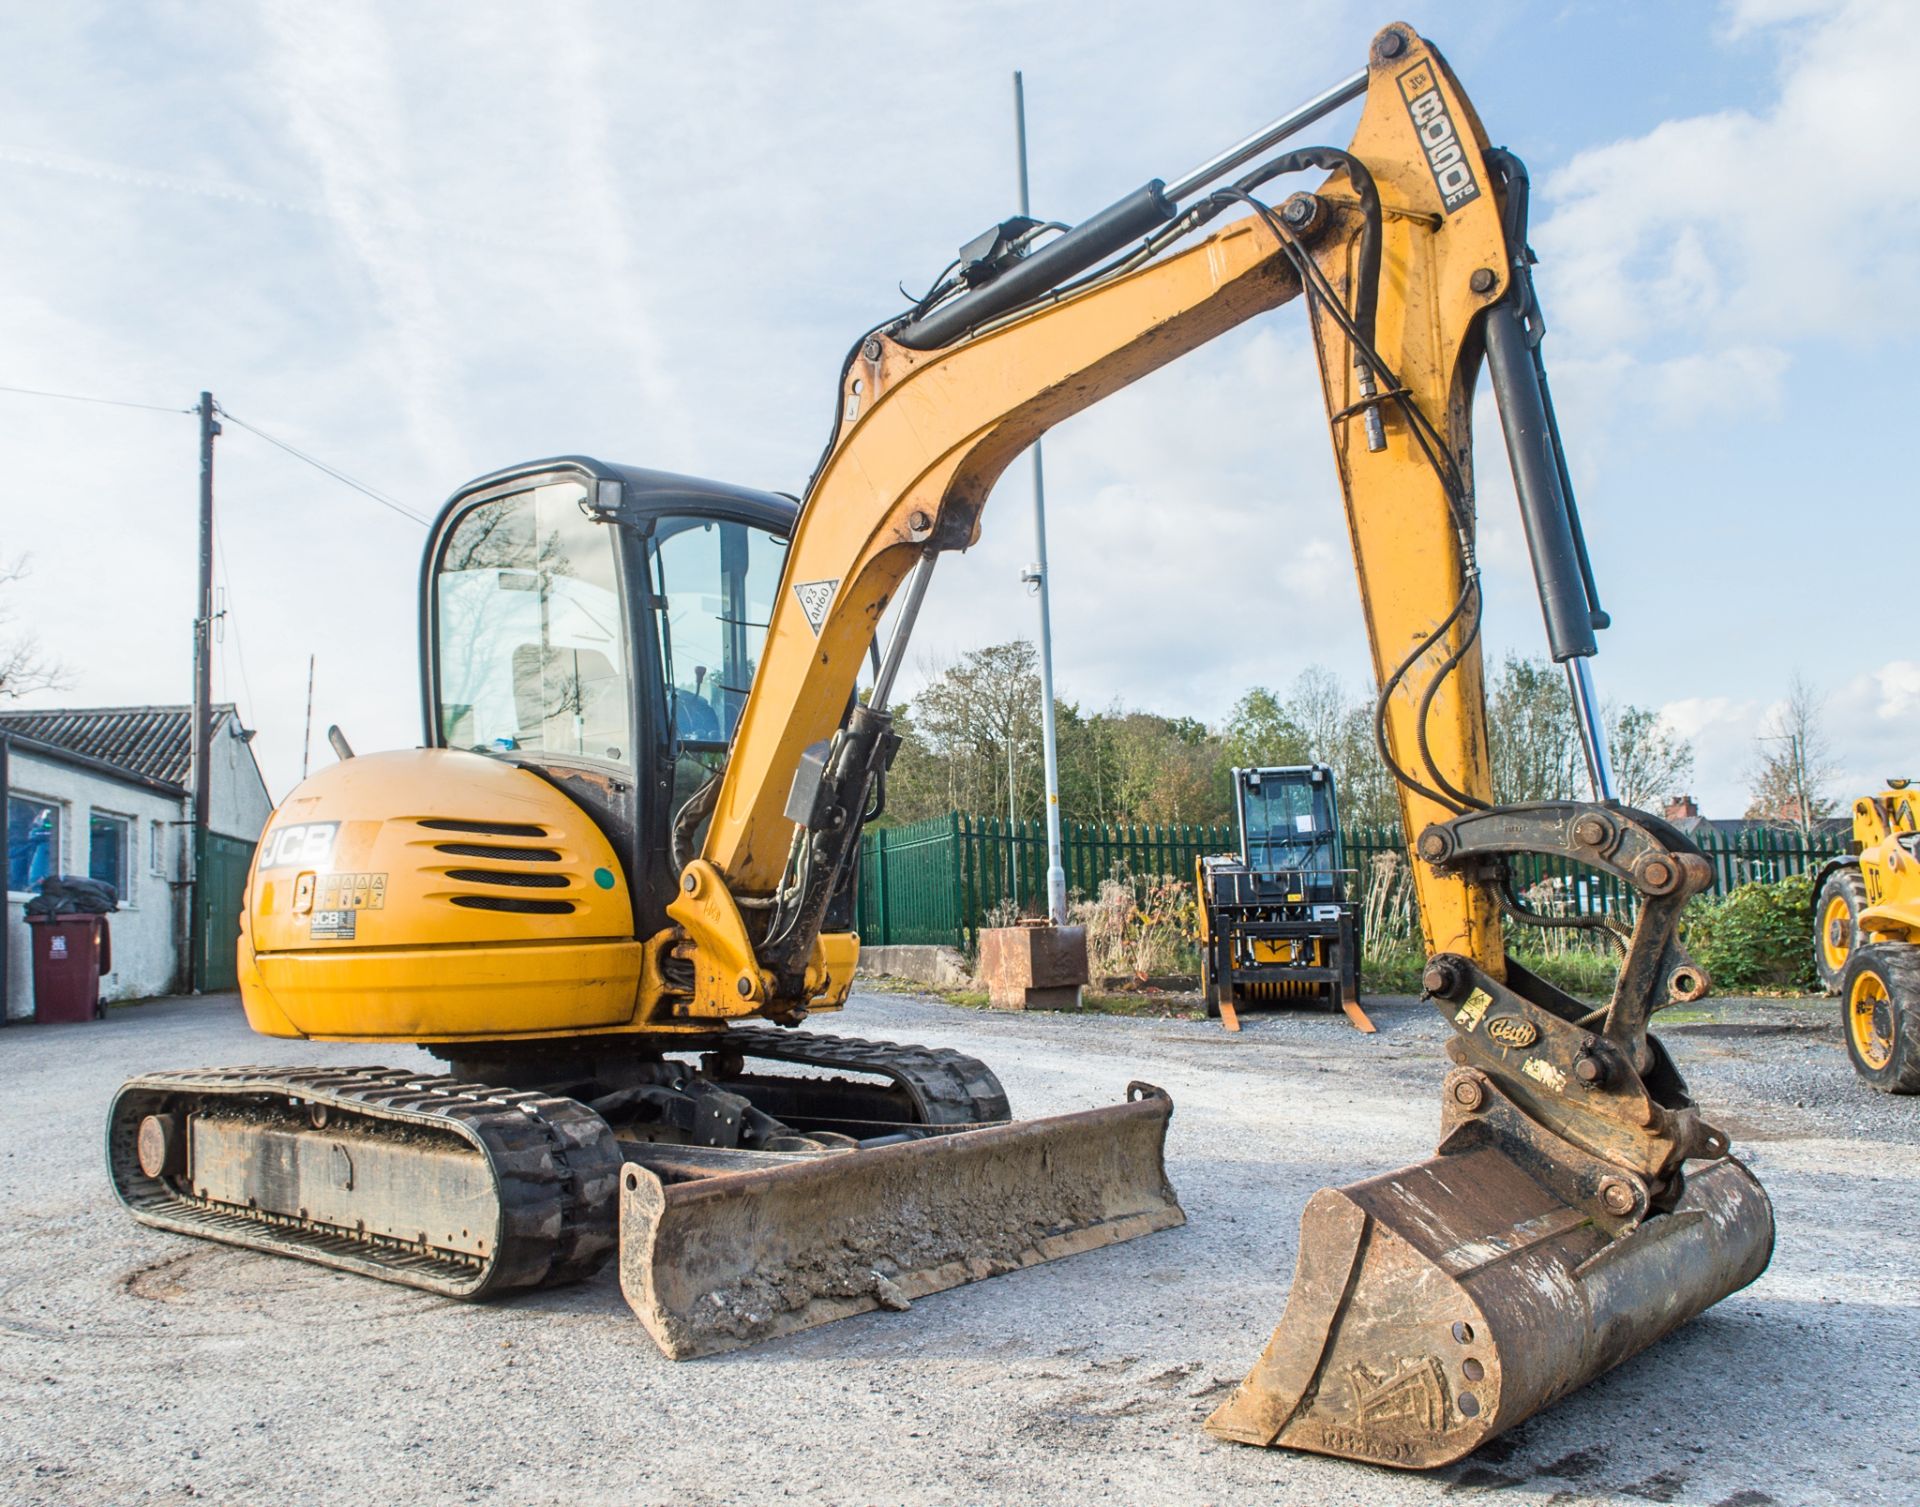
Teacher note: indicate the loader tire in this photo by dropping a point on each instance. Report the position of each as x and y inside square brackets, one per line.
[1210, 979]
[1836, 924]
[1880, 1015]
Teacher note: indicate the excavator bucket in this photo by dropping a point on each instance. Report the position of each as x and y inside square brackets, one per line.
[715, 1260]
[1439, 1305]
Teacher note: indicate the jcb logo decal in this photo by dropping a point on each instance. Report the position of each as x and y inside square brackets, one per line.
[1512, 1031]
[309, 845]
[1452, 173]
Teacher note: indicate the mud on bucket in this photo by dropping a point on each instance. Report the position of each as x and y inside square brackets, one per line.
[1435, 1307]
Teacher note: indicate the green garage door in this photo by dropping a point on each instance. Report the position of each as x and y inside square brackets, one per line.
[223, 888]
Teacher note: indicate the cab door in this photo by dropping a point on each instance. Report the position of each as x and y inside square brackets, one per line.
[529, 645]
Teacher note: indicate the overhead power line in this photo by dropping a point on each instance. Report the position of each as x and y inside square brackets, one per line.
[334, 471]
[390, 503]
[78, 397]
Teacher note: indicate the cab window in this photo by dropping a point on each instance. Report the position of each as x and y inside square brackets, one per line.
[714, 585]
[529, 636]
[1289, 823]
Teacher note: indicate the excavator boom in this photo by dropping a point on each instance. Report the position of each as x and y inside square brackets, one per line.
[1579, 1205]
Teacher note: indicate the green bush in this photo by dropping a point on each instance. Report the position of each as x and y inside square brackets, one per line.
[1584, 972]
[1758, 936]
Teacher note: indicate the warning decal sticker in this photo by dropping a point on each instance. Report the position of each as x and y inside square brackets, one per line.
[815, 598]
[352, 892]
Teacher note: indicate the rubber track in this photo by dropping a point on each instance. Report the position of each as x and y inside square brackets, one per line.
[947, 1087]
[555, 1163]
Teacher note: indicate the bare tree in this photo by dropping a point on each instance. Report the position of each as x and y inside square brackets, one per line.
[1650, 760]
[1795, 766]
[1535, 747]
[24, 667]
[976, 721]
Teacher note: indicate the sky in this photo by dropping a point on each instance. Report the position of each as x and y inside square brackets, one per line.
[423, 241]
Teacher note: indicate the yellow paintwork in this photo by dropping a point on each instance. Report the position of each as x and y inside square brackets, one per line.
[1890, 868]
[419, 967]
[352, 840]
[1870, 1017]
[925, 435]
[1302, 950]
[830, 969]
[727, 979]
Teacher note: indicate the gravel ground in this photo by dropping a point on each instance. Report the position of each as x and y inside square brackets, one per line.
[137, 1366]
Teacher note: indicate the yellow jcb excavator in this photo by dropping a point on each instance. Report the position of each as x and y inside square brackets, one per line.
[633, 828]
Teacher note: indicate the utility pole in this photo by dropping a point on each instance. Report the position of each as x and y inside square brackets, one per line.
[202, 704]
[306, 738]
[1036, 575]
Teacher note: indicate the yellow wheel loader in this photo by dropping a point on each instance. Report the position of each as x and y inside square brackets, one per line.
[1866, 944]
[616, 879]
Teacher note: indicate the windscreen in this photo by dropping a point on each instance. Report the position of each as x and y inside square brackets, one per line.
[1289, 822]
[530, 645]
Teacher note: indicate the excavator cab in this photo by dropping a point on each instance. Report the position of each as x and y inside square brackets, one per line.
[601, 625]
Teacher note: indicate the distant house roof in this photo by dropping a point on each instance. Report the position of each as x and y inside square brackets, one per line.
[153, 742]
[1739, 826]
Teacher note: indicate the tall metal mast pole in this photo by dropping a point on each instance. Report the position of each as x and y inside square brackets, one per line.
[202, 729]
[1037, 574]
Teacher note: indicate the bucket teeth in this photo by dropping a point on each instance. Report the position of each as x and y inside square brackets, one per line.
[1439, 1305]
[714, 1263]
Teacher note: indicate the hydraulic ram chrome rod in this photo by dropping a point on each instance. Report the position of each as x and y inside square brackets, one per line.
[1272, 134]
[1099, 236]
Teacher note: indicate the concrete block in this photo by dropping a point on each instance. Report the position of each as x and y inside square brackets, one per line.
[1034, 967]
[942, 967]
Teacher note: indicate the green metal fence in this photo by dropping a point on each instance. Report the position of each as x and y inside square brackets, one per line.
[938, 881]
[1562, 886]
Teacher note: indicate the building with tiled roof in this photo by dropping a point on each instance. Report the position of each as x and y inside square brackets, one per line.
[104, 792]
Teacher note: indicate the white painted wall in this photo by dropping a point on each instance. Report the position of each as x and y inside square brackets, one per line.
[146, 928]
[240, 804]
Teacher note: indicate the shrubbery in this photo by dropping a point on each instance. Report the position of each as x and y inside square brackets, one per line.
[1758, 936]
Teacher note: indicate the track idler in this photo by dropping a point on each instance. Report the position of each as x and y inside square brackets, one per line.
[1437, 1306]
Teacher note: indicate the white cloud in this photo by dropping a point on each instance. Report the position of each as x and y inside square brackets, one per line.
[348, 109]
[1870, 721]
[1749, 229]
[1874, 724]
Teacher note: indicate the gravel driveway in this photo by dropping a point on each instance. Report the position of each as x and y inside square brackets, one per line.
[137, 1366]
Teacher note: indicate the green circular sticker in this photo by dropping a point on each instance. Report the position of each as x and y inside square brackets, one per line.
[603, 878]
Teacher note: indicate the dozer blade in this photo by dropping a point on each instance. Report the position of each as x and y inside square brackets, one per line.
[713, 1263]
[1439, 1305]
